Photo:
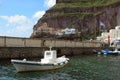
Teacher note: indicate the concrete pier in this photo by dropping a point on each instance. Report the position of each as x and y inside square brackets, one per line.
[37, 52]
[11, 47]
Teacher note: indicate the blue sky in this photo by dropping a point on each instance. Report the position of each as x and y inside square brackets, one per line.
[17, 17]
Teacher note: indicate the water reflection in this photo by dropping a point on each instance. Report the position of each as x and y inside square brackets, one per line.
[79, 68]
[50, 75]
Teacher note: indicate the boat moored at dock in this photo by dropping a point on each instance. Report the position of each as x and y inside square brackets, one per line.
[50, 61]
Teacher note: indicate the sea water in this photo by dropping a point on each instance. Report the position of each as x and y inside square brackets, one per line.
[79, 68]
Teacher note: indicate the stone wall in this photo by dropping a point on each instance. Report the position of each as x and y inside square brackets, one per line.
[12, 47]
[28, 42]
[37, 52]
[20, 52]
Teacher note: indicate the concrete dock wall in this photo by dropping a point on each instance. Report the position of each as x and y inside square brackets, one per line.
[13, 42]
[27, 42]
[37, 52]
[12, 47]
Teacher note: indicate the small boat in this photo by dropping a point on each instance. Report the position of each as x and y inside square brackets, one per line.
[50, 61]
[109, 52]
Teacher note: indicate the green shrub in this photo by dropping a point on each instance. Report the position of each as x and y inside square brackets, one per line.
[84, 4]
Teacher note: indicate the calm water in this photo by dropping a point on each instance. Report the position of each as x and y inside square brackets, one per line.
[79, 68]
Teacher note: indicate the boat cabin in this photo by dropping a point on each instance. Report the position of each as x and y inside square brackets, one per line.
[49, 56]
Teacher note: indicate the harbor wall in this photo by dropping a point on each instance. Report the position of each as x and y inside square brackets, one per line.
[11, 47]
[28, 42]
[37, 52]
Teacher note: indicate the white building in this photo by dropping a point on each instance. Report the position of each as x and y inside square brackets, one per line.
[113, 34]
[67, 31]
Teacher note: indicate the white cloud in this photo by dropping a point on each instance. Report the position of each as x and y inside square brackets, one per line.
[16, 19]
[49, 3]
[38, 14]
[20, 31]
[21, 26]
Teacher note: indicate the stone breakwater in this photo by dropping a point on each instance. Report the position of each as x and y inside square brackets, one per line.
[28, 42]
[37, 52]
[12, 47]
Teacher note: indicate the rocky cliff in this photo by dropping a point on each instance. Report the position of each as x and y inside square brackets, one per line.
[89, 17]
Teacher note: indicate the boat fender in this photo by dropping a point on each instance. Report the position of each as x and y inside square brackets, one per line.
[99, 53]
[67, 58]
[105, 53]
[66, 61]
[24, 59]
[61, 63]
[55, 63]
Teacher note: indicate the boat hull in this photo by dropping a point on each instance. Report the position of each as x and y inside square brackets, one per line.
[22, 66]
[109, 52]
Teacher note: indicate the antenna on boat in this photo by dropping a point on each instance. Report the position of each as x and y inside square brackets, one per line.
[50, 48]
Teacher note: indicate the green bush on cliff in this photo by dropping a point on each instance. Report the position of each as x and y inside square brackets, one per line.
[84, 4]
[72, 14]
[81, 15]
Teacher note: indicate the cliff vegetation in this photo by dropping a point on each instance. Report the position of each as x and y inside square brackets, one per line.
[83, 3]
[83, 15]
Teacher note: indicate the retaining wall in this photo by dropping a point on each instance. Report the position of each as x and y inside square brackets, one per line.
[27, 42]
[37, 52]
[11, 47]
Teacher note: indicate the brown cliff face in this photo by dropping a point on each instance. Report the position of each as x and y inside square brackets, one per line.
[86, 20]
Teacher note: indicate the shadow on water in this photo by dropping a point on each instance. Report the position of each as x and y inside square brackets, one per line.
[78, 68]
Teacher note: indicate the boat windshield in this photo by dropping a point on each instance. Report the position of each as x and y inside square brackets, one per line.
[48, 53]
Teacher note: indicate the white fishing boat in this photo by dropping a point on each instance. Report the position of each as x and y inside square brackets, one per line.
[50, 61]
